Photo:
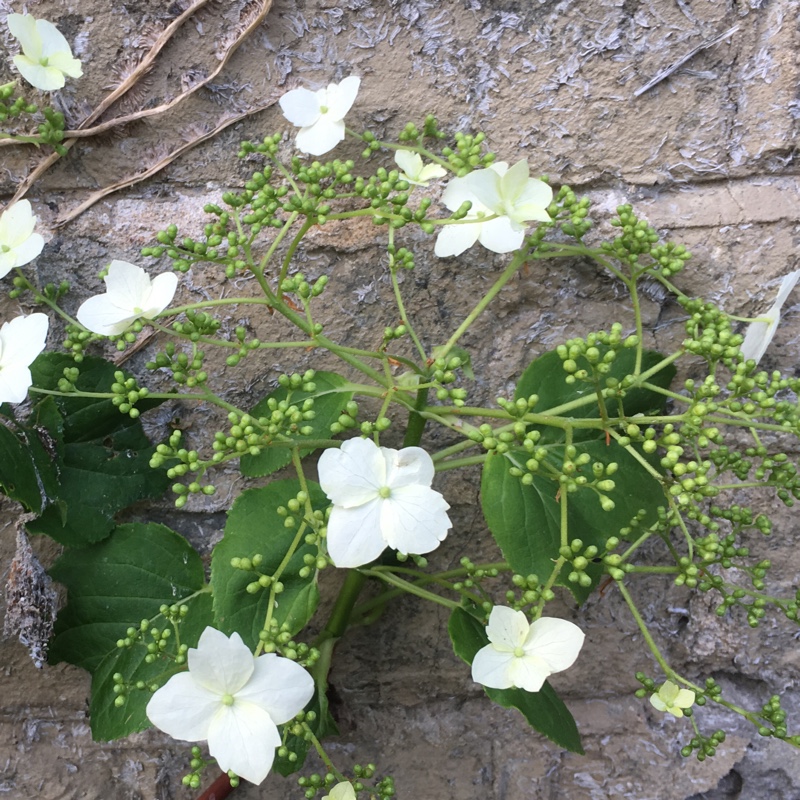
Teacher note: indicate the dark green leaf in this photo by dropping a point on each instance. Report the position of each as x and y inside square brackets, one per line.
[117, 583]
[254, 526]
[544, 710]
[19, 478]
[86, 419]
[328, 406]
[526, 520]
[546, 378]
[96, 482]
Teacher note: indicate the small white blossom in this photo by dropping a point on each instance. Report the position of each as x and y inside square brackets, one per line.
[523, 655]
[342, 791]
[320, 115]
[381, 497]
[46, 55]
[672, 699]
[130, 294]
[234, 700]
[414, 171]
[21, 340]
[759, 333]
[18, 243]
[508, 194]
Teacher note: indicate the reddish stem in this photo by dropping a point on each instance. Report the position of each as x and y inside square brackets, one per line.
[218, 790]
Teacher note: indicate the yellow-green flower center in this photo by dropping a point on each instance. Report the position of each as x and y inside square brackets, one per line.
[384, 492]
[323, 109]
[43, 61]
[4, 248]
[519, 652]
[227, 699]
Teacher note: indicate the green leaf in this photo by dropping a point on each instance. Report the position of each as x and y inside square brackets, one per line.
[117, 583]
[526, 520]
[19, 477]
[254, 526]
[86, 419]
[328, 406]
[95, 483]
[546, 378]
[544, 710]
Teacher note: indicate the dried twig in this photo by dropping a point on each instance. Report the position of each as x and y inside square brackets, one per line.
[130, 181]
[665, 73]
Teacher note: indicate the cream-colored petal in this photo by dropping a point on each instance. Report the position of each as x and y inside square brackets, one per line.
[507, 629]
[162, 290]
[23, 29]
[556, 641]
[492, 668]
[221, 664]
[407, 466]
[46, 79]
[454, 239]
[501, 235]
[23, 338]
[759, 334]
[300, 107]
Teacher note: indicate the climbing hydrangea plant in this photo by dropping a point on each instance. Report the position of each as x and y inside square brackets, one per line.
[597, 452]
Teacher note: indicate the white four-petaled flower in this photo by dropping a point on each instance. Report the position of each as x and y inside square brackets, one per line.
[234, 700]
[18, 243]
[320, 115]
[21, 340]
[522, 655]
[46, 55]
[507, 194]
[759, 333]
[672, 699]
[130, 294]
[414, 171]
[381, 497]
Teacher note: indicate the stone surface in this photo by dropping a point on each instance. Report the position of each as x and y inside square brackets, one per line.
[709, 155]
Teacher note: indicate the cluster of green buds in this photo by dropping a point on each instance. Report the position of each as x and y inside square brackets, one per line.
[579, 559]
[590, 359]
[572, 213]
[468, 154]
[277, 638]
[363, 781]
[637, 238]
[710, 333]
[301, 288]
[18, 105]
[187, 369]
[127, 393]
[430, 130]
[189, 462]
[76, 340]
[300, 730]
[527, 591]
[775, 717]
[198, 764]
[443, 375]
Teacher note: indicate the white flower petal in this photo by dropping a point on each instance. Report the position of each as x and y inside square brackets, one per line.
[160, 295]
[279, 686]
[15, 381]
[485, 184]
[321, 137]
[183, 709]
[46, 79]
[414, 519]
[431, 171]
[64, 62]
[537, 194]
[342, 791]
[515, 181]
[354, 534]
[457, 192]
[300, 107]
[341, 97]
[23, 339]
[352, 475]
[16, 224]
[407, 466]
[220, 663]
[759, 334]
[657, 702]
[454, 239]
[556, 641]
[8, 261]
[507, 629]
[685, 698]
[99, 315]
[29, 249]
[529, 673]
[23, 29]
[243, 737]
[500, 235]
[127, 285]
[492, 668]
[410, 163]
[51, 38]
